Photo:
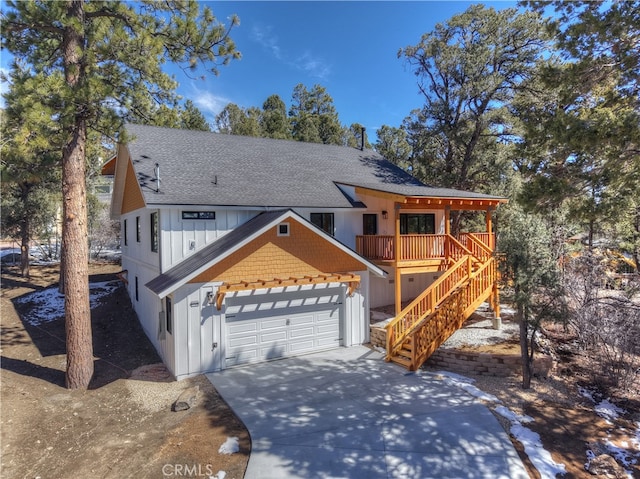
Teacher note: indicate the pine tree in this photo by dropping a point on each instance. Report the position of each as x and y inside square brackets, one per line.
[469, 70]
[109, 54]
[30, 159]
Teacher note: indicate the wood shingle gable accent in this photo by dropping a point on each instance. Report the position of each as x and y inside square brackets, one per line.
[109, 168]
[302, 253]
[132, 195]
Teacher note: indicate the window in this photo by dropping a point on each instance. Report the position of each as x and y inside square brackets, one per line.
[124, 228]
[417, 223]
[138, 229]
[154, 232]
[198, 215]
[324, 221]
[137, 297]
[169, 315]
[369, 224]
[283, 229]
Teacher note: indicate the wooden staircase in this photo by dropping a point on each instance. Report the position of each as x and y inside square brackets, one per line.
[441, 309]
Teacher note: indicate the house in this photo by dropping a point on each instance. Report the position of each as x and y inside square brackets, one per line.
[239, 249]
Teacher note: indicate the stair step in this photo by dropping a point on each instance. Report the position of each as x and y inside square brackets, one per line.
[405, 353]
[401, 361]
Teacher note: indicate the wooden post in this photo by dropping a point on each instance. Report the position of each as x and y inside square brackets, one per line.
[447, 220]
[447, 231]
[490, 229]
[397, 253]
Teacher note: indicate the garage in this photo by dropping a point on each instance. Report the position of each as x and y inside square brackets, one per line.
[262, 325]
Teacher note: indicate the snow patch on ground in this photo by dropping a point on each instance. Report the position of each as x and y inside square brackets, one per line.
[466, 383]
[605, 408]
[512, 416]
[626, 455]
[48, 304]
[538, 455]
[230, 446]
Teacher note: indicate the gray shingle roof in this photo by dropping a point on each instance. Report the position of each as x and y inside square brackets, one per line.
[202, 168]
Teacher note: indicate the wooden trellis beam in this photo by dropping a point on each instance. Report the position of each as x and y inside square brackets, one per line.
[353, 281]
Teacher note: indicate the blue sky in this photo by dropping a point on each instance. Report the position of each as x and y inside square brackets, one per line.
[350, 48]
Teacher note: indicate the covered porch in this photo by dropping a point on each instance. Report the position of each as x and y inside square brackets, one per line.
[414, 248]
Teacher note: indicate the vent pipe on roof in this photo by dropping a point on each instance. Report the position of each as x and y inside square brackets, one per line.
[362, 138]
[156, 171]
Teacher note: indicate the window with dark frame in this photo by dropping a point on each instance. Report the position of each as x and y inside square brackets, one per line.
[169, 315]
[198, 215]
[138, 229]
[154, 231]
[369, 224]
[283, 229]
[324, 221]
[137, 297]
[417, 223]
[124, 228]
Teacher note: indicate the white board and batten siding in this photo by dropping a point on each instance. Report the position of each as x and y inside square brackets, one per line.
[196, 331]
[180, 238]
[382, 290]
[148, 307]
[138, 251]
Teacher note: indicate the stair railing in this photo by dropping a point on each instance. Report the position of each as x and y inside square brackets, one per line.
[426, 303]
[428, 334]
[478, 247]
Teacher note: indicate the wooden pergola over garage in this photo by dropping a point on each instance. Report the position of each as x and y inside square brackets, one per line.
[352, 280]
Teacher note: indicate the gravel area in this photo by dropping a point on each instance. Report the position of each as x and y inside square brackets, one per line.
[477, 330]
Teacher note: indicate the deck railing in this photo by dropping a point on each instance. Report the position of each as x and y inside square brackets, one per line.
[376, 247]
[421, 247]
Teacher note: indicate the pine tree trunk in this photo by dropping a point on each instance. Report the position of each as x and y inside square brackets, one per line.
[636, 240]
[25, 238]
[524, 348]
[456, 223]
[74, 204]
[24, 250]
[61, 278]
[75, 271]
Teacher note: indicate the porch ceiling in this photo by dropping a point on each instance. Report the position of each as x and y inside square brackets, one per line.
[482, 202]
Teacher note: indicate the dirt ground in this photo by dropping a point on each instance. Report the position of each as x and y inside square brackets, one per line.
[123, 426]
[565, 420]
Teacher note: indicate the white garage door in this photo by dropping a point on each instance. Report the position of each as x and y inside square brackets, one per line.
[259, 327]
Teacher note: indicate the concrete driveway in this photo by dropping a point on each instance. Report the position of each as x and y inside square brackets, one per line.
[347, 414]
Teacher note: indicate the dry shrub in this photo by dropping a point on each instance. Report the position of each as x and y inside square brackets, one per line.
[606, 322]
